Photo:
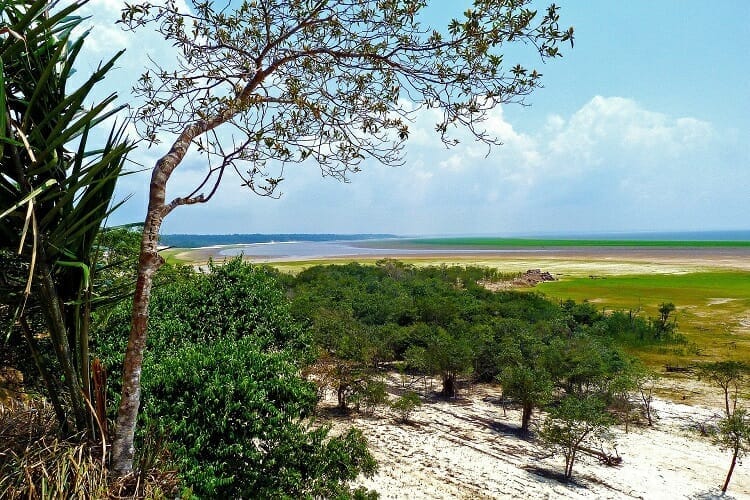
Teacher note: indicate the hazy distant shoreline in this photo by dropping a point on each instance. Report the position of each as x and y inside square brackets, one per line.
[624, 258]
[381, 240]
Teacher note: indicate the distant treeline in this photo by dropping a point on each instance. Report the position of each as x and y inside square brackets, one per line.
[205, 240]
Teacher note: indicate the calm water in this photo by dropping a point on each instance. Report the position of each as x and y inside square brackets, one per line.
[306, 250]
[292, 250]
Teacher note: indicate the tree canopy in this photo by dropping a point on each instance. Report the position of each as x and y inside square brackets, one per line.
[267, 82]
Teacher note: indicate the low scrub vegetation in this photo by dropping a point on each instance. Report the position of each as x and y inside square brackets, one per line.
[239, 357]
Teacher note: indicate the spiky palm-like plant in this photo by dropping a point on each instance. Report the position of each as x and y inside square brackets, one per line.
[55, 192]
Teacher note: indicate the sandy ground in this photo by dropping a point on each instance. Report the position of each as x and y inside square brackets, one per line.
[468, 449]
[579, 261]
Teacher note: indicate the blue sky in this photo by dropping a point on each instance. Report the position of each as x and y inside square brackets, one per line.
[643, 126]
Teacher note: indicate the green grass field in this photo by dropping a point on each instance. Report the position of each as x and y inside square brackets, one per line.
[713, 309]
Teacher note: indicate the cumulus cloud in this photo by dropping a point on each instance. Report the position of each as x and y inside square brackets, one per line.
[611, 165]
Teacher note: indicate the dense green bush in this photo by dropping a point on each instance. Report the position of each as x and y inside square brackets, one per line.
[222, 384]
[235, 418]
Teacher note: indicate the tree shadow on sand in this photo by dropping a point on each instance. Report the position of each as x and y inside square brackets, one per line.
[554, 475]
[712, 495]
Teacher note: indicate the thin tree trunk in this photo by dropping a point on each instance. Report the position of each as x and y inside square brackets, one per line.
[731, 470]
[58, 332]
[526, 416]
[449, 385]
[341, 396]
[85, 364]
[52, 389]
[82, 324]
[149, 261]
[569, 472]
[726, 401]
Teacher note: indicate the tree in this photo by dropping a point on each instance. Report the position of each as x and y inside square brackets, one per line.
[56, 198]
[322, 80]
[524, 377]
[448, 354]
[645, 381]
[734, 435]
[572, 424]
[406, 404]
[729, 376]
[349, 350]
[663, 324]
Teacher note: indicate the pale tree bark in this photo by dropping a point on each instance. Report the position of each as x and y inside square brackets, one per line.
[122, 451]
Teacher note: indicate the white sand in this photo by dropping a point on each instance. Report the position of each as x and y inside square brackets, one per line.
[467, 449]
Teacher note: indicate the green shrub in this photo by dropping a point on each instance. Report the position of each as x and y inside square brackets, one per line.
[406, 404]
[235, 418]
[221, 381]
[371, 395]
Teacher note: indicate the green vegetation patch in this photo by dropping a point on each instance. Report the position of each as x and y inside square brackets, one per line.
[541, 242]
[713, 308]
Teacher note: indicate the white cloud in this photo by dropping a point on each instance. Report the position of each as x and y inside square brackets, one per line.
[611, 165]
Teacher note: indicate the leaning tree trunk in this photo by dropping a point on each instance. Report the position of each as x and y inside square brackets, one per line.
[731, 470]
[148, 263]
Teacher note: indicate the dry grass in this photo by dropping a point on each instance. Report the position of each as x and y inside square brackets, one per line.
[36, 463]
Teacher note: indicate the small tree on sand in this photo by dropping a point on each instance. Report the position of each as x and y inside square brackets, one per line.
[524, 377]
[729, 376]
[573, 424]
[329, 81]
[406, 404]
[645, 382]
[734, 436]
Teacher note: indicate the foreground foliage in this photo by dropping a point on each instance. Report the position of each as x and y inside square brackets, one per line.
[222, 385]
[53, 200]
[329, 82]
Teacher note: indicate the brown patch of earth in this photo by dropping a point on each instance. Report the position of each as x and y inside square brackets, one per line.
[530, 278]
